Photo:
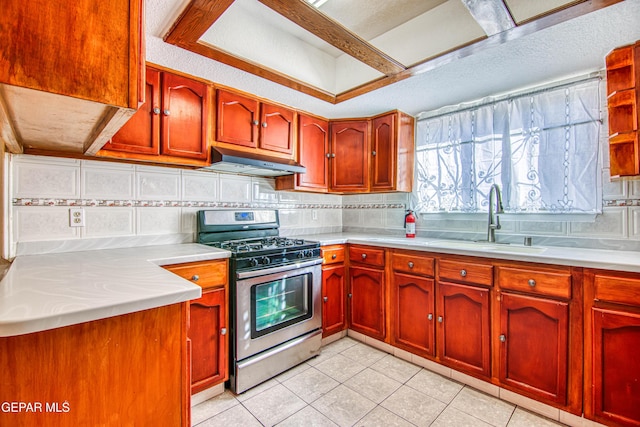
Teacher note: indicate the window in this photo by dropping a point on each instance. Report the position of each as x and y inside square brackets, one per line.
[541, 148]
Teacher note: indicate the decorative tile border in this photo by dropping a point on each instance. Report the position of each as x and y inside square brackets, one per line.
[198, 204]
[623, 202]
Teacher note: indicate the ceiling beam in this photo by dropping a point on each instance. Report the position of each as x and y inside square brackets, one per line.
[195, 20]
[314, 21]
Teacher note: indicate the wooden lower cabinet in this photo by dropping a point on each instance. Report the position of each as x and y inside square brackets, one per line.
[612, 346]
[334, 318]
[412, 303]
[208, 327]
[534, 345]
[367, 301]
[120, 371]
[463, 328]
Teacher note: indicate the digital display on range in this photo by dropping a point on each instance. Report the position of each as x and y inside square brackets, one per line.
[244, 216]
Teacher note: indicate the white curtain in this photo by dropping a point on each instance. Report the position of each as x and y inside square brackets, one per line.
[540, 148]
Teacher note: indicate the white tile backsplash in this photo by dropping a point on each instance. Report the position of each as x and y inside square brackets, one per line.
[611, 224]
[40, 179]
[107, 183]
[200, 186]
[165, 220]
[157, 183]
[42, 223]
[235, 188]
[109, 221]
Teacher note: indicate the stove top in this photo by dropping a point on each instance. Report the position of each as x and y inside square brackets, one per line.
[266, 243]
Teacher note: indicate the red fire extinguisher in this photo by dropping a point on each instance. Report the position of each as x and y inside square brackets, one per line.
[410, 224]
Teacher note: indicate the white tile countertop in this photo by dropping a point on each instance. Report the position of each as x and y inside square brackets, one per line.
[41, 292]
[559, 255]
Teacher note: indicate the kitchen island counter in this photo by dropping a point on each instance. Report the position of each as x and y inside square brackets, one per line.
[42, 292]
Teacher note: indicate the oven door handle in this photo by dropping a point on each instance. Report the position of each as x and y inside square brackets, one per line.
[264, 271]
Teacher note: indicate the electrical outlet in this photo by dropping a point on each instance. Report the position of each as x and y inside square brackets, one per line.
[76, 217]
[314, 214]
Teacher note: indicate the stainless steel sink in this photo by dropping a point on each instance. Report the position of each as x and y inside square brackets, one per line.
[485, 246]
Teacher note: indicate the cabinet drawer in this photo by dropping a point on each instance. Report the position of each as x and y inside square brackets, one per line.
[414, 264]
[554, 283]
[617, 289]
[332, 254]
[464, 271]
[366, 255]
[206, 274]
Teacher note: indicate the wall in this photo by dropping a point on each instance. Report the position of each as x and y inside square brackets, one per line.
[135, 205]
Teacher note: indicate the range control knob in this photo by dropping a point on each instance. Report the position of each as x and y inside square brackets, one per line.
[301, 254]
[308, 253]
[266, 260]
[254, 262]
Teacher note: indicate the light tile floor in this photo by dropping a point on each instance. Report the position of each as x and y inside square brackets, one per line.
[352, 384]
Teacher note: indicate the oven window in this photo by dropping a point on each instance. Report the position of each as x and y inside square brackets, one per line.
[280, 303]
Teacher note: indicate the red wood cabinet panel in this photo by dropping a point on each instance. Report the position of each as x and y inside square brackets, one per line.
[313, 140]
[237, 119]
[207, 330]
[184, 117]
[350, 156]
[333, 299]
[534, 345]
[367, 301]
[276, 128]
[141, 133]
[463, 328]
[413, 307]
[383, 153]
[615, 367]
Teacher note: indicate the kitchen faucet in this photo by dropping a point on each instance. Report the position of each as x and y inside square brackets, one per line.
[494, 224]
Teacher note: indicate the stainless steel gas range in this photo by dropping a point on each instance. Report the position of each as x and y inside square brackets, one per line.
[275, 293]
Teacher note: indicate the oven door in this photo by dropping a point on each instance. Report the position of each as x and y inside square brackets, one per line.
[275, 305]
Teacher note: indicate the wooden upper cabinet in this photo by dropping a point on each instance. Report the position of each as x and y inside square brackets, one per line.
[238, 119]
[140, 134]
[276, 128]
[623, 97]
[57, 55]
[246, 122]
[184, 117]
[173, 122]
[350, 146]
[392, 152]
[313, 140]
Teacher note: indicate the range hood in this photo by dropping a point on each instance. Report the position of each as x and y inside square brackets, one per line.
[232, 161]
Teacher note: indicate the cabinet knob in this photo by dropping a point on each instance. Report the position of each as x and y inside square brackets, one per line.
[364, 256]
[195, 277]
[325, 299]
[328, 155]
[167, 112]
[333, 154]
[440, 319]
[503, 338]
[430, 316]
[264, 124]
[410, 264]
[255, 122]
[156, 111]
[223, 331]
[532, 283]
[463, 273]
[373, 153]
[334, 256]
[350, 295]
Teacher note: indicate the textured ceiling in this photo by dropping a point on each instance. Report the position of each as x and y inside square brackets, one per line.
[567, 49]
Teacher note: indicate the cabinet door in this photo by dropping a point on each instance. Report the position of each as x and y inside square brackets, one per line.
[333, 303]
[276, 128]
[313, 147]
[383, 152]
[237, 119]
[463, 330]
[413, 313]
[366, 301]
[350, 146]
[207, 332]
[616, 370]
[141, 134]
[534, 345]
[184, 117]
